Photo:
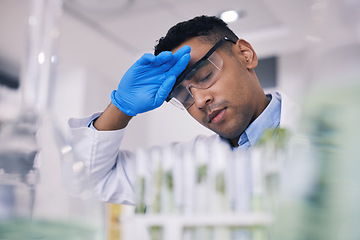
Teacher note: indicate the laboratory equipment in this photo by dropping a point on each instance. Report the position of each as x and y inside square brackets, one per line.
[207, 193]
[33, 201]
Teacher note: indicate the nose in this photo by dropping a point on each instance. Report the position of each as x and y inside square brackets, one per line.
[202, 97]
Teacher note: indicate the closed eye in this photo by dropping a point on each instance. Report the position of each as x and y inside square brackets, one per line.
[207, 77]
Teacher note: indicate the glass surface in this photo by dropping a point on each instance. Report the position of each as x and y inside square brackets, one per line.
[34, 166]
[202, 77]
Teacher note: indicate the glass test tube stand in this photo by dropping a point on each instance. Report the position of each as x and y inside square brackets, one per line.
[206, 193]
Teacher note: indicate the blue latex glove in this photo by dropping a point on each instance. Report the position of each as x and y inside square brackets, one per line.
[148, 82]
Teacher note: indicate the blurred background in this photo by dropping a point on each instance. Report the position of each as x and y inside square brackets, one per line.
[306, 48]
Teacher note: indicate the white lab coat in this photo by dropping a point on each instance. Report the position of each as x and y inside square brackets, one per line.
[111, 172]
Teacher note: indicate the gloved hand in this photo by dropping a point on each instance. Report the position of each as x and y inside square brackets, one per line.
[148, 82]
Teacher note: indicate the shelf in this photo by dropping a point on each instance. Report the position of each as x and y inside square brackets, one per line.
[190, 220]
[172, 225]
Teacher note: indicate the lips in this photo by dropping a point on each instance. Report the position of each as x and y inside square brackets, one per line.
[217, 115]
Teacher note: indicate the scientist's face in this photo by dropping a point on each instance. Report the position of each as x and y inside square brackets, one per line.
[236, 98]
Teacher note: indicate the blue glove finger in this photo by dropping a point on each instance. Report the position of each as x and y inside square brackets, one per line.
[175, 58]
[182, 51]
[146, 59]
[162, 58]
[168, 84]
[164, 90]
[180, 66]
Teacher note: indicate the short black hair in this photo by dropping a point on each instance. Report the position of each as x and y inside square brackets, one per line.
[210, 28]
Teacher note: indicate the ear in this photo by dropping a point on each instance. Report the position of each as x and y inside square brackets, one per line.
[246, 53]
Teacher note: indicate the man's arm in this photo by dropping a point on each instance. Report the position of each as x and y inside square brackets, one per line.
[112, 119]
[144, 87]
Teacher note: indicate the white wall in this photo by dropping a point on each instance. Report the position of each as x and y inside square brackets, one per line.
[292, 72]
[79, 92]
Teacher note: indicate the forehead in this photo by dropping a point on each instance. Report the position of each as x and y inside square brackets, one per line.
[198, 48]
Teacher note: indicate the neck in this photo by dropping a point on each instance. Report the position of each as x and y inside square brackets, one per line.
[234, 142]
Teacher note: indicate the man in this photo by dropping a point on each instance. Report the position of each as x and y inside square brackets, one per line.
[202, 66]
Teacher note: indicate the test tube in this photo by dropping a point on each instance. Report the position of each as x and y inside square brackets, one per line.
[167, 186]
[140, 182]
[242, 190]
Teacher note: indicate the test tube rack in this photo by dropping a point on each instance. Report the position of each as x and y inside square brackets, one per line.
[258, 172]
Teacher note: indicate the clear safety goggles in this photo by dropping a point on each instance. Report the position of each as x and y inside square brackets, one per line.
[201, 75]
